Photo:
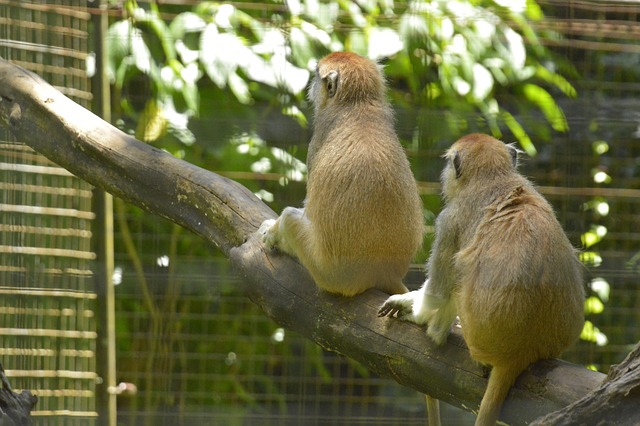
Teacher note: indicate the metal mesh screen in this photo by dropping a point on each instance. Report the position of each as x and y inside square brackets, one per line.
[47, 324]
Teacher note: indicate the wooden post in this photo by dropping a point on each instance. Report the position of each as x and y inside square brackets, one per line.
[106, 405]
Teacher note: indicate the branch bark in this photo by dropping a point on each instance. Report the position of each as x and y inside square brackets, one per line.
[615, 402]
[227, 214]
[15, 408]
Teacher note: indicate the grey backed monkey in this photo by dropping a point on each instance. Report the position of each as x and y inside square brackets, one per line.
[503, 264]
[362, 220]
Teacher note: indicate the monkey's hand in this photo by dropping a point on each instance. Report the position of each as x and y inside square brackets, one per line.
[399, 306]
[268, 233]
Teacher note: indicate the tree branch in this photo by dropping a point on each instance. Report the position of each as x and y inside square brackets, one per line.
[227, 214]
[615, 402]
[214, 207]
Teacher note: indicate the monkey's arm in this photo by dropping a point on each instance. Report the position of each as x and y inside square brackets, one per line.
[438, 307]
[440, 267]
[433, 304]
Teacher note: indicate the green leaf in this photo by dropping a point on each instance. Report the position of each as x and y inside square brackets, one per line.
[213, 48]
[482, 82]
[295, 113]
[239, 88]
[118, 46]
[591, 333]
[601, 287]
[557, 80]
[383, 42]
[533, 11]
[547, 105]
[520, 134]
[593, 305]
[300, 47]
[151, 124]
[184, 23]
[590, 258]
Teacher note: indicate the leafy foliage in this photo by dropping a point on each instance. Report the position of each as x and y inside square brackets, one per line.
[458, 56]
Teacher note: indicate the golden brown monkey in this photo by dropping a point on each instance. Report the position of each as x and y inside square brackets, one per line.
[362, 221]
[500, 261]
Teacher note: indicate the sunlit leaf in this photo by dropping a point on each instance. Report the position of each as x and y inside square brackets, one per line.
[600, 147]
[295, 113]
[557, 80]
[590, 258]
[516, 6]
[601, 287]
[547, 105]
[383, 42]
[219, 54]
[239, 88]
[326, 13]
[356, 42]
[294, 7]
[520, 134]
[591, 333]
[302, 51]
[155, 26]
[118, 46]
[482, 82]
[593, 305]
[533, 11]
[594, 235]
[184, 23]
[356, 14]
[285, 74]
[600, 176]
[151, 124]
[413, 25]
[223, 16]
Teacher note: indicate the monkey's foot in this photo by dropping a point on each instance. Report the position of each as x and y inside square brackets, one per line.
[399, 306]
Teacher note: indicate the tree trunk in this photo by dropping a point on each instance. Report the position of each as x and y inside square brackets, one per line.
[227, 214]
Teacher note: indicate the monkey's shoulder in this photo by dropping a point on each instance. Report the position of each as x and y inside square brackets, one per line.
[519, 211]
[518, 197]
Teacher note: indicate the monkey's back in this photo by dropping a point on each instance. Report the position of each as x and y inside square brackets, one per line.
[363, 205]
[521, 289]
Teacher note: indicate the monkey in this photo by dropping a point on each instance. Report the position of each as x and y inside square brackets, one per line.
[502, 263]
[362, 220]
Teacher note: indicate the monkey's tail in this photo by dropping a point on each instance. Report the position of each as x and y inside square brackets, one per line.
[433, 411]
[500, 381]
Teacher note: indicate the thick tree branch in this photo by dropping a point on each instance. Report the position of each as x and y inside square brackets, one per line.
[214, 207]
[226, 213]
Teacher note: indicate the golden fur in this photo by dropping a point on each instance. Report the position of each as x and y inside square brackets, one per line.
[362, 223]
[500, 261]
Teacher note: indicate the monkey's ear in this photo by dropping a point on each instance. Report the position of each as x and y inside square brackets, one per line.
[515, 152]
[331, 83]
[456, 161]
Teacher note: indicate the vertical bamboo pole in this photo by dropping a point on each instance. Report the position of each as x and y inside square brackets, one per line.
[103, 240]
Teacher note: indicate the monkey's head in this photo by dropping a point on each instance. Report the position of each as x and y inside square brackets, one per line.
[477, 158]
[344, 78]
